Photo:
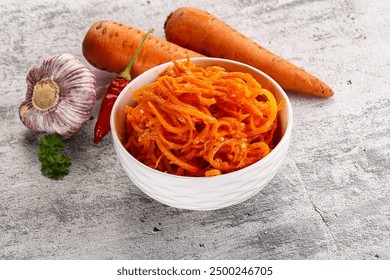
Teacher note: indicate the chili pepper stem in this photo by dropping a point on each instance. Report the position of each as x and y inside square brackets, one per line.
[126, 73]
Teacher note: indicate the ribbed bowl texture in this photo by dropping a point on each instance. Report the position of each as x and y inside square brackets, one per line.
[202, 193]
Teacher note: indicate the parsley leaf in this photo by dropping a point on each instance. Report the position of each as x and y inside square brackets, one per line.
[54, 164]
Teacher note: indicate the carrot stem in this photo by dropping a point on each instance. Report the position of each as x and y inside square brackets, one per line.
[126, 73]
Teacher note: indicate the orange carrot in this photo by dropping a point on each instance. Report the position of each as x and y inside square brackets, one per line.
[110, 45]
[202, 32]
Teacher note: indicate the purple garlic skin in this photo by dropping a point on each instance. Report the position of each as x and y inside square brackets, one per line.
[61, 93]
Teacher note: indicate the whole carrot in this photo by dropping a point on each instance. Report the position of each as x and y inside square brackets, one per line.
[109, 46]
[202, 32]
[102, 126]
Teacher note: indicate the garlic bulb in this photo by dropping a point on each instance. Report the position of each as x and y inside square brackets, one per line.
[61, 93]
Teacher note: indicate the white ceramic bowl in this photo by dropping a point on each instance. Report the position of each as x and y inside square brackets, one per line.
[202, 193]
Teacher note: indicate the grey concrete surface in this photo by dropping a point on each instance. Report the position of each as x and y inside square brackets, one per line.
[330, 199]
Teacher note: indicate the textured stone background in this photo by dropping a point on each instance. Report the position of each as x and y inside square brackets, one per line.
[330, 199]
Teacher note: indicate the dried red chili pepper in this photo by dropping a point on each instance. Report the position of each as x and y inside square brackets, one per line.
[102, 126]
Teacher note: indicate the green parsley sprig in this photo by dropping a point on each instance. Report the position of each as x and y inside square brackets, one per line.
[54, 164]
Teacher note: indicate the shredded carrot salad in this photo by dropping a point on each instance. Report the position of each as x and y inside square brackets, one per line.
[201, 121]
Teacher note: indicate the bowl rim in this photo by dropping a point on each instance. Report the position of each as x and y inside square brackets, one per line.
[283, 141]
